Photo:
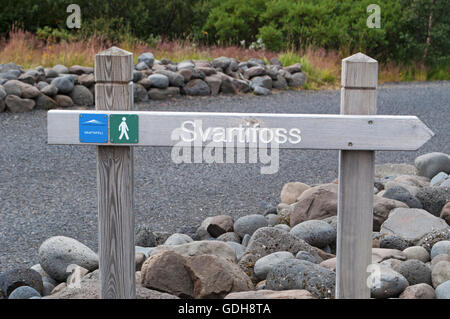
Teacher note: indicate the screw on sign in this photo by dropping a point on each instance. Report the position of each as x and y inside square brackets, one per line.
[357, 133]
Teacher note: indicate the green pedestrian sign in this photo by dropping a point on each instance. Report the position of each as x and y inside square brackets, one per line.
[124, 128]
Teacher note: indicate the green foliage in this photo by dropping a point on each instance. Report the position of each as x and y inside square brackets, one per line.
[339, 25]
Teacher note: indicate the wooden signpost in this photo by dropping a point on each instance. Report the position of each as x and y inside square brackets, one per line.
[114, 127]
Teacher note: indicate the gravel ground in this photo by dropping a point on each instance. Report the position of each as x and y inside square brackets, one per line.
[51, 190]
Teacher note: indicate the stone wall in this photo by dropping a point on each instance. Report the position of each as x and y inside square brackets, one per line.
[61, 87]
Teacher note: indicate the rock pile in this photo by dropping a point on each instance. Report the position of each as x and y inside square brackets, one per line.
[288, 252]
[62, 87]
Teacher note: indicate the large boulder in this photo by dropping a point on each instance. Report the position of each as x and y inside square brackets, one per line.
[166, 272]
[215, 277]
[65, 84]
[196, 248]
[430, 164]
[147, 58]
[159, 81]
[301, 274]
[196, 87]
[297, 80]
[291, 191]
[57, 253]
[401, 194]
[411, 224]
[175, 79]
[415, 271]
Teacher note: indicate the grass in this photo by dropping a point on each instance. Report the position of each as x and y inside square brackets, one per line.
[322, 68]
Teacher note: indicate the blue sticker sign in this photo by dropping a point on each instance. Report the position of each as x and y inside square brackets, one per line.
[93, 128]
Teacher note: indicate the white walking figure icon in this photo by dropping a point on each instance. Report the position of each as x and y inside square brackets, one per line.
[123, 128]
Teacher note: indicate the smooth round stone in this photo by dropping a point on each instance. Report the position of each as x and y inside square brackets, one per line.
[417, 252]
[442, 247]
[415, 271]
[438, 258]
[440, 273]
[178, 239]
[159, 81]
[185, 65]
[24, 292]
[65, 84]
[419, 291]
[430, 164]
[386, 283]
[60, 69]
[147, 58]
[317, 233]
[266, 263]
[249, 224]
[443, 290]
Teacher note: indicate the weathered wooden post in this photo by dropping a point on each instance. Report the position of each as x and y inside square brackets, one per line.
[114, 91]
[356, 177]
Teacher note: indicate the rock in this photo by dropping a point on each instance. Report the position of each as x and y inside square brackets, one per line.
[159, 81]
[249, 224]
[246, 240]
[27, 78]
[48, 288]
[178, 239]
[222, 62]
[29, 91]
[419, 291]
[12, 279]
[309, 256]
[60, 69]
[417, 252]
[329, 264]
[273, 219]
[272, 294]
[275, 61]
[301, 274]
[415, 271]
[238, 249]
[401, 194]
[79, 70]
[145, 250]
[76, 273]
[254, 71]
[166, 272]
[227, 86]
[24, 292]
[381, 254]
[219, 225]
[315, 203]
[441, 247]
[411, 224]
[163, 94]
[241, 85]
[49, 90]
[139, 93]
[57, 253]
[137, 76]
[196, 248]
[295, 68]
[202, 233]
[440, 273]
[185, 65]
[207, 71]
[280, 83]
[433, 199]
[214, 82]
[16, 104]
[81, 95]
[317, 233]
[196, 87]
[147, 58]
[141, 66]
[145, 237]
[254, 62]
[205, 271]
[175, 79]
[283, 227]
[45, 102]
[146, 83]
[443, 290]
[386, 283]
[430, 164]
[264, 81]
[297, 80]
[438, 258]
[63, 101]
[266, 263]
[50, 73]
[445, 213]
[13, 87]
[186, 73]
[393, 242]
[230, 236]
[391, 262]
[438, 179]
[65, 84]
[139, 260]
[259, 90]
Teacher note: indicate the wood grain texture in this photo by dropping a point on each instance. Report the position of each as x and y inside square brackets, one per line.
[115, 182]
[347, 132]
[356, 180]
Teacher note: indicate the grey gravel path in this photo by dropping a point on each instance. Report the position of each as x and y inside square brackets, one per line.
[51, 190]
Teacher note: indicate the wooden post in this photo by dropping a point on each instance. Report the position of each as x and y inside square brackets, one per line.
[114, 91]
[356, 182]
